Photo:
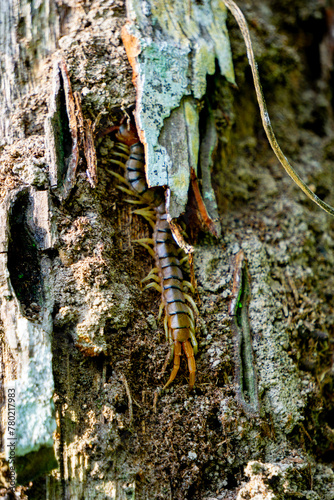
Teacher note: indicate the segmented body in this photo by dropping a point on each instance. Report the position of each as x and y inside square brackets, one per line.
[179, 318]
[135, 174]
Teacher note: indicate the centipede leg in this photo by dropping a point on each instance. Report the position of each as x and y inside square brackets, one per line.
[169, 358]
[166, 328]
[193, 340]
[155, 279]
[149, 241]
[171, 344]
[145, 212]
[161, 308]
[177, 356]
[171, 352]
[116, 162]
[150, 275]
[191, 362]
[119, 177]
[191, 302]
[153, 285]
[124, 148]
[125, 156]
[134, 202]
[188, 285]
[145, 245]
[191, 313]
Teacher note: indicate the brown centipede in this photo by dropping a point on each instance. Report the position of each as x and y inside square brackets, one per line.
[179, 319]
[168, 279]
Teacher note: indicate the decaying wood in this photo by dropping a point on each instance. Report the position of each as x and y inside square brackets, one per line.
[61, 133]
[26, 308]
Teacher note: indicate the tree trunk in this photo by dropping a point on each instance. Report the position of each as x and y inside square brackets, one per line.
[81, 347]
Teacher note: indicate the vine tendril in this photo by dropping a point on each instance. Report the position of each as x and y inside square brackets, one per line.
[242, 23]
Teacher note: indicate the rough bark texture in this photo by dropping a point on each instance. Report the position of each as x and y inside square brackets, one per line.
[108, 349]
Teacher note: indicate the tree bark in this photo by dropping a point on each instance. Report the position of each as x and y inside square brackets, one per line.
[81, 343]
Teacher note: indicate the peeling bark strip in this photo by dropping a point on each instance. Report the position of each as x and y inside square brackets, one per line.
[244, 362]
[213, 226]
[61, 133]
[65, 130]
[86, 133]
[172, 47]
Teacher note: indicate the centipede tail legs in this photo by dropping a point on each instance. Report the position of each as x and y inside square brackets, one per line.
[189, 352]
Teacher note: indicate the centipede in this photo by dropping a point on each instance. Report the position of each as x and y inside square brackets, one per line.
[167, 277]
